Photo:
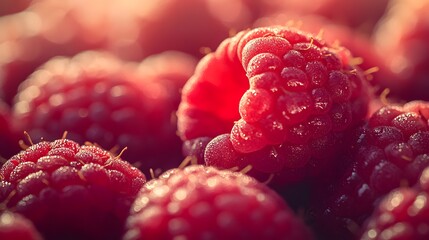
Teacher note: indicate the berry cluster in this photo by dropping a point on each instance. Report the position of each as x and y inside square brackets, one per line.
[201, 119]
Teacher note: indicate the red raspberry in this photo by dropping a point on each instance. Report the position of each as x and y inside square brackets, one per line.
[389, 151]
[99, 98]
[70, 191]
[200, 202]
[402, 36]
[402, 214]
[17, 227]
[282, 97]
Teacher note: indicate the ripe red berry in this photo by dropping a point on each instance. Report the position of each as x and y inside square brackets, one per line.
[401, 214]
[389, 151]
[99, 98]
[70, 191]
[278, 93]
[200, 202]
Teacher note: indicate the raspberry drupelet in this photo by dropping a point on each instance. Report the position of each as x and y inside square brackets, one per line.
[275, 98]
[70, 191]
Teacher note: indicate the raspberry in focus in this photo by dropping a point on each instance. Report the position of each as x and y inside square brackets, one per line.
[278, 93]
[70, 191]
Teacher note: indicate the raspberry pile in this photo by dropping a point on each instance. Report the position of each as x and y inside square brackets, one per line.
[214, 119]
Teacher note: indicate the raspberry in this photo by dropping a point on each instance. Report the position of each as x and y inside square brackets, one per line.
[401, 36]
[200, 202]
[392, 221]
[401, 214]
[389, 150]
[278, 93]
[97, 97]
[70, 191]
[17, 227]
